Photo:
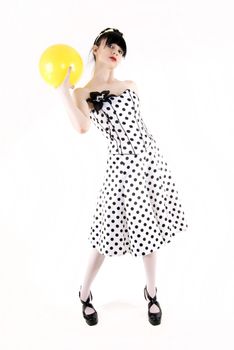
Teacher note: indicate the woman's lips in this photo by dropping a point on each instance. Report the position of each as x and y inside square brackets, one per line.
[113, 58]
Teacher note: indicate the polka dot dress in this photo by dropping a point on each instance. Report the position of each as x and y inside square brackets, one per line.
[138, 208]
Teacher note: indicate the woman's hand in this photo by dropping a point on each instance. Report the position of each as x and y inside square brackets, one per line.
[66, 85]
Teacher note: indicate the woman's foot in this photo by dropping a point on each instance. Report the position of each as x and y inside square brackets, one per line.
[88, 310]
[154, 317]
[89, 313]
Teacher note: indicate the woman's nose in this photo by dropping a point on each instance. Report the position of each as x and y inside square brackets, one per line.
[114, 51]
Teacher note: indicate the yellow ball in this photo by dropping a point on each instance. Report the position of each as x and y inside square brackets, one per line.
[54, 63]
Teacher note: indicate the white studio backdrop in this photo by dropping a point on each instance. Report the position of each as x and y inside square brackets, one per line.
[180, 54]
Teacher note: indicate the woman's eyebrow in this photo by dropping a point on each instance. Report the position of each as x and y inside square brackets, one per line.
[119, 48]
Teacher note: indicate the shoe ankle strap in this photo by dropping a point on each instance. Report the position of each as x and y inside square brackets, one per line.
[88, 300]
[151, 299]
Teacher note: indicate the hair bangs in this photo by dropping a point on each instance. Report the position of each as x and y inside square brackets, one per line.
[113, 38]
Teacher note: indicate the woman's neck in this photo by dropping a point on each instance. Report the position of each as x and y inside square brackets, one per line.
[103, 76]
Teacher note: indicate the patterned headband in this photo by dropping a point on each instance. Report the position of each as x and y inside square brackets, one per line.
[108, 30]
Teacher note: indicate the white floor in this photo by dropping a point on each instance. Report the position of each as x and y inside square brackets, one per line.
[122, 324]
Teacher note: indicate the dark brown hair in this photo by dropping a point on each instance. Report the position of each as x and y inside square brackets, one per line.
[112, 36]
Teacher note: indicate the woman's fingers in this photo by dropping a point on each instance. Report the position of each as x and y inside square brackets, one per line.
[66, 82]
[68, 74]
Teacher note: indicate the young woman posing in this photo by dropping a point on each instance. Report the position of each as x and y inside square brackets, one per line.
[138, 209]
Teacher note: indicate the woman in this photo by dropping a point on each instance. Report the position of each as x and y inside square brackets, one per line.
[138, 209]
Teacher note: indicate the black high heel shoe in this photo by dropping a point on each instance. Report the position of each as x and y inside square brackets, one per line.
[153, 317]
[90, 319]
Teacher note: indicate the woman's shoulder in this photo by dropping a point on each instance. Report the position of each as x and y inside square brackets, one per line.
[81, 92]
[132, 85]
[84, 92]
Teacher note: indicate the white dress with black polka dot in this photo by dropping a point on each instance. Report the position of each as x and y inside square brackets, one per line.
[138, 208]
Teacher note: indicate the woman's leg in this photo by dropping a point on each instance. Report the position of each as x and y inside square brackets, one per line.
[150, 269]
[95, 261]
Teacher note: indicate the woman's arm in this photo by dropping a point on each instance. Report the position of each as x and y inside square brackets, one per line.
[75, 104]
[79, 120]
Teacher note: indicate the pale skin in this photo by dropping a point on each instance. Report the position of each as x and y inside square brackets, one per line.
[104, 79]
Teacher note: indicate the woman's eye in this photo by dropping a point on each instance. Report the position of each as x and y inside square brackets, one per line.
[120, 51]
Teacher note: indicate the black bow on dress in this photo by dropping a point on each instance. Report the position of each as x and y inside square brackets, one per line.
[97, 98]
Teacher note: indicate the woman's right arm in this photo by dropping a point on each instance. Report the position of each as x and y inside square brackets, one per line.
[73, 104]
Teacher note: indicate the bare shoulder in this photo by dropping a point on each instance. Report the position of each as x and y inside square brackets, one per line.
[80, 93]
[132, 85]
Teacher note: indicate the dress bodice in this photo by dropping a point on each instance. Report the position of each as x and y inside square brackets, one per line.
[119, 119]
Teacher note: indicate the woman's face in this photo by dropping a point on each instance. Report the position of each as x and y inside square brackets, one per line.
[104, 53]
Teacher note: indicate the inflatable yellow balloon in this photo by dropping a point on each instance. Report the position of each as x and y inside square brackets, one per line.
[54, 63]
